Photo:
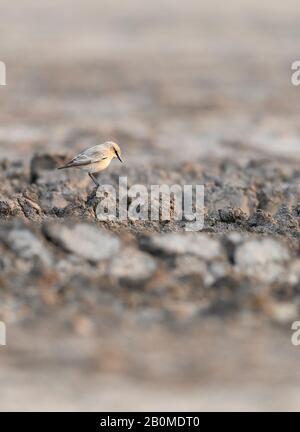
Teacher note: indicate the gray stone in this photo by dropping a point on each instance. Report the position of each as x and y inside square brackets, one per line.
[232, 215]
[198, 244]
[187, 265]
[30, 209]
[8, 208]
[132, 265]
[53, 200]
[261, 218]
[26, 245]
[253, 252]
[262, 259]
[88, 241]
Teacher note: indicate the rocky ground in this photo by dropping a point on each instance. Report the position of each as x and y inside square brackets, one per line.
[143, 314]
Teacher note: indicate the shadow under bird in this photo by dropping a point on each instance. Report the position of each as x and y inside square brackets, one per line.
[95, 159]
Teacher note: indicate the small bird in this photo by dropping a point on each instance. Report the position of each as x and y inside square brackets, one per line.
[95, 159]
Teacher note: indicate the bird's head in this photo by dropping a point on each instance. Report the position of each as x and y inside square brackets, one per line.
[114, 150]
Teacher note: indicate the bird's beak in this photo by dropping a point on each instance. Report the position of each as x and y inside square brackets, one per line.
[119, 157]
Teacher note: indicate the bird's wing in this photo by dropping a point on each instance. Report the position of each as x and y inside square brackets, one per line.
[88, 157]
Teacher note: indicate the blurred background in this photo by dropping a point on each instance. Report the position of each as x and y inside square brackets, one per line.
[150, 73]
[172, 82]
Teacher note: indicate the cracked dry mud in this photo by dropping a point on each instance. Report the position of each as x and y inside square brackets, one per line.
[141, 314]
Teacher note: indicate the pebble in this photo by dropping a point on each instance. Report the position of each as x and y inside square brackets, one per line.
[198, 244]
[26, 245]
[85, 240]
[262, 259]
[53, 200]
[132, 265]
[260, 252]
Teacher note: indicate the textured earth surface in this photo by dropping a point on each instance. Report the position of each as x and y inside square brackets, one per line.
[143, 315]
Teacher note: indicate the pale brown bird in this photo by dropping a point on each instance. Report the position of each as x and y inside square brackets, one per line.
[95, 159]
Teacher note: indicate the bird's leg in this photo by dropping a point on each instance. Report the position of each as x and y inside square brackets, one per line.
[94, 180]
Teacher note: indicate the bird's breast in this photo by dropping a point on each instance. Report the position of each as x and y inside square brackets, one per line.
[99, 166]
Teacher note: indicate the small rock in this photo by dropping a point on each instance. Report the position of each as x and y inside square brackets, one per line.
[8, 208]
[87, 241]
[187, 265]
[286, 220]
[232, 215]
[132, 265]
[234, 237]
[219, 270]
[30, 208]
[253, 252]
[53, 200]
[263, 259]
[261, 218]
[4, 209]
[25, 244]
[198, 244]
